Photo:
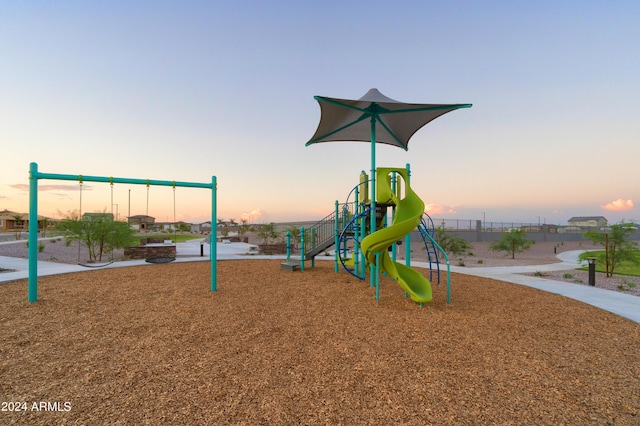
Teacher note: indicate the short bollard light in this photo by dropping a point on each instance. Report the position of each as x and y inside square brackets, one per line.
[592, 270]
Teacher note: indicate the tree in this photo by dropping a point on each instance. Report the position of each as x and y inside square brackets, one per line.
[267, 232]
[512, 242]
[295, 236]
[244, 227]
[99, 235]
[616, 247]
[182, 226]
[18, 226]
[452, 243]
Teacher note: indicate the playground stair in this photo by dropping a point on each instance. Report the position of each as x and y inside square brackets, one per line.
[320, 236]
[290, 265]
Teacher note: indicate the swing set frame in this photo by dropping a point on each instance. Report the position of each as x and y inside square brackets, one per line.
[35, 176]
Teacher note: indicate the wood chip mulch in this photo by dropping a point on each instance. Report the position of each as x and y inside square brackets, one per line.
[153, 345]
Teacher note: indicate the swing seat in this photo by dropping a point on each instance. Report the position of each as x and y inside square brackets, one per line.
[160, 259]
[94, 265]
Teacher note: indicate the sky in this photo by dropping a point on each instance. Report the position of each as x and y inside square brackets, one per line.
[188, 90]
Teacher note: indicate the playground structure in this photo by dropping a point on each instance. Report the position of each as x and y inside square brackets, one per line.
[35, 176]
[356, 245]
[376, 118]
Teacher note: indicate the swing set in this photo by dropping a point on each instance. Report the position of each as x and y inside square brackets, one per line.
[147, 258]
[35, 176]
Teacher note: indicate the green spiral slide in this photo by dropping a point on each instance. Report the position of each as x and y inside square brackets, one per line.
[407, 217]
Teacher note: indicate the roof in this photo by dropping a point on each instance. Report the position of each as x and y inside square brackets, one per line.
[586, 218]
[10, 214]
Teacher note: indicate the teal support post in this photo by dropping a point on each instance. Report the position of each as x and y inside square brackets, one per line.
[363, 233]
[33, 232]
[407, 239]
[394, 246]
[377, 268]
[356, 234]
[314, 239]
[373, 195]
[213, 242]
[302, 249]
[288, 246]
[336, 239]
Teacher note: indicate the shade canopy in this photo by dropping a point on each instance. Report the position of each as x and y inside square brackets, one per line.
[395, 122]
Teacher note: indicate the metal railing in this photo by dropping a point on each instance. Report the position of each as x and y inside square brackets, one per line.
[321, 235]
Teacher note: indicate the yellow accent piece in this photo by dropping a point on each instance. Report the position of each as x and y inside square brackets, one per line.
[363, 190]
[384, 193]
[408, 215]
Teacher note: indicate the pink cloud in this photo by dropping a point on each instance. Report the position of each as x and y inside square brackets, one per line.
[435, 209]
[25, 187]
[618, 205]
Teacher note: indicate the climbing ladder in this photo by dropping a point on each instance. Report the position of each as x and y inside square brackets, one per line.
[427, 232]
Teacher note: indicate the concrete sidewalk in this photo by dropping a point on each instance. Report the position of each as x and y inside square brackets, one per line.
[189, 251]
[625, 305]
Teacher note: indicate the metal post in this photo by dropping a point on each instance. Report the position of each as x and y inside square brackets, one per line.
[336, 238]
[592, 271]
[373, 196]
[33, 233]
[394, 186]
[314, 239]
[355, 254]
[407, 239]
[302, 248]
[213, 242]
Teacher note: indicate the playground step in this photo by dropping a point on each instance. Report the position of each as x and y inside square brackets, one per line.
[290, 265]
[319, 249]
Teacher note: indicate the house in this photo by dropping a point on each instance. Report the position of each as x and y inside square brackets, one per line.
[203, 228]
[165, 226]
[141, 222]
[11, 221]
[97, 217]
[590, 221]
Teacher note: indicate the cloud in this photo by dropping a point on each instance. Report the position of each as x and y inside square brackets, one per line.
[618, 205]
[252, 216]
[434, 209]
[24, 187]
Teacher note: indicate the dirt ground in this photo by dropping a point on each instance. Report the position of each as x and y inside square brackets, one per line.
[153, 344]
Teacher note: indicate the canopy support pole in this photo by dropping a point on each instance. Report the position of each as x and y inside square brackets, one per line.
[372, 220]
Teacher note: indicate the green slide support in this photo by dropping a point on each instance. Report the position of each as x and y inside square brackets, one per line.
[409, 210]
